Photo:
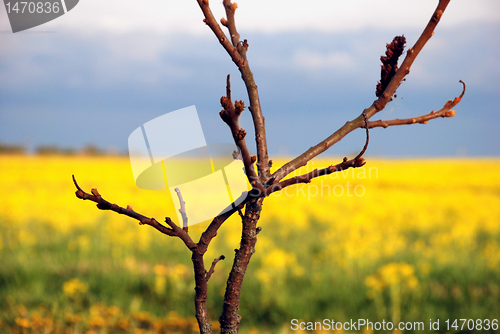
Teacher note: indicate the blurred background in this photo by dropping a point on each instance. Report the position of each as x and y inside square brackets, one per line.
[412, 236]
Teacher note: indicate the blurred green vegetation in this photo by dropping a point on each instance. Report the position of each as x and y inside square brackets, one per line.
[412, 248]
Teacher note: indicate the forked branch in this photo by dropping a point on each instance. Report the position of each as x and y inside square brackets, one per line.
[230, 23]
[411, 55]
[356, 162]
[102, 204]
[237, 51]
[230, 115]
[445, 111]
[212, 230]
[212, 268]
[377, 105]
[198, 249]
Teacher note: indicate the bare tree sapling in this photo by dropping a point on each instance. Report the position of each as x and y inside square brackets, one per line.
[258, 168]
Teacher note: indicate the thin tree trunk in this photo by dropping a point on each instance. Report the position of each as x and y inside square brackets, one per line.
[200, 299]
[230, 319]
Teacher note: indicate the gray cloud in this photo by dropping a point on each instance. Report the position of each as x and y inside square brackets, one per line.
[71, 88]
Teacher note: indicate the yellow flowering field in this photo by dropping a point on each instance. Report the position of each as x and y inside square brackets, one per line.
[405, 240]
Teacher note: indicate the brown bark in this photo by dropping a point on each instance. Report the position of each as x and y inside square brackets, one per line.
[230, 319]
[200, 299]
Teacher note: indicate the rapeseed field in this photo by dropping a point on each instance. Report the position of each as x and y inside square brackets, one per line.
[400, 240]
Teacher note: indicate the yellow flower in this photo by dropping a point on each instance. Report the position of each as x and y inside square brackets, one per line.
[96, 322]
[393, 274]
[23, 322]
[75, 288]
[398, 273]
[160, 270]
[373, 282]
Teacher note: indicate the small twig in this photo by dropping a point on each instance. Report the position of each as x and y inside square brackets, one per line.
[356, 162]
[212, 268]
[367, 139]
[226, 43]
[211, 231]
[230, 23]
[102, 204]
[230, 115]
[182, 210]
[445, 111]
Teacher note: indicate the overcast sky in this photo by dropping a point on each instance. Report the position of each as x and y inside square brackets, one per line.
[106, 67]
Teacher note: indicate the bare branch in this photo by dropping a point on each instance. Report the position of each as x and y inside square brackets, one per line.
[230, 115]
[360, 154]
[446, 111]
[181, 233]
[212, 268]
[211, 231]
[230, 23]
[411, 55]
[223, 40]
[237, 52]
[314, 151]
[200, 273]
[377, 105]
[182, 210]
[102, 204]
[358, 161]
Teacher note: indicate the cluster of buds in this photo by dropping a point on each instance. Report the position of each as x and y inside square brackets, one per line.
[390, 63]
[229, 110]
